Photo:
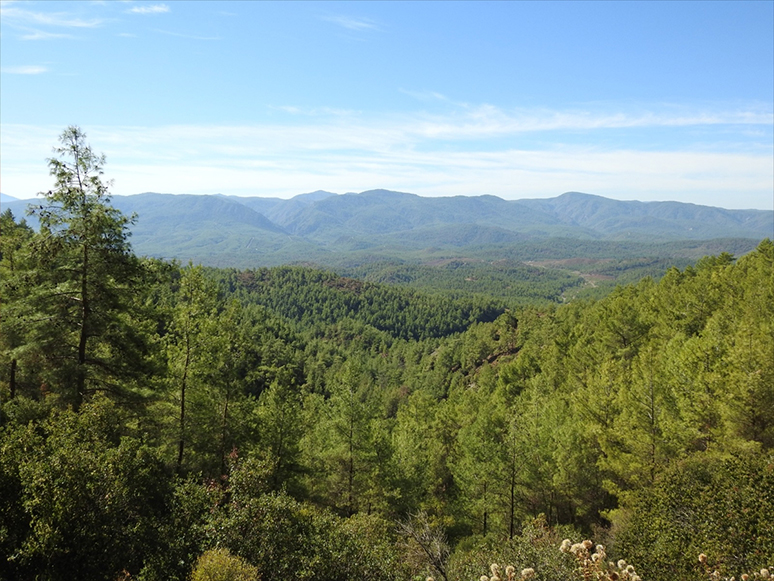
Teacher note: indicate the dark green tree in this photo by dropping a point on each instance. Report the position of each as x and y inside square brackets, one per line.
[281, 427]
[84, 319]
[91, 493]
[14, 267]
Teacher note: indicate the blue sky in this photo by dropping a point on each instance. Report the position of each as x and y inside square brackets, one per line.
[629, 100]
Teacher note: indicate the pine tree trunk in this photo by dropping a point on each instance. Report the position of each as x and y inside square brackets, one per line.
[350, 501]
[486, 512]
[85, 312]
[12, 379]
[181, 442]
[511, 507]
[224, 438]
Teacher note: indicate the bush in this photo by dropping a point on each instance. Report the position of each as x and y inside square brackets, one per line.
[84, 499]
[720, 507]
[221, 565]
[536, 547]
[288, 539]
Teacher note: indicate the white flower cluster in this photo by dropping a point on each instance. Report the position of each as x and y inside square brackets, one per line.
[510, 574]
[593, 559]
[714, 575]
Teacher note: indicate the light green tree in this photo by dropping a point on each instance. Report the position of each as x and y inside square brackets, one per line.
[188, 354]
[280, 426]
[221, 565]
[347, 447]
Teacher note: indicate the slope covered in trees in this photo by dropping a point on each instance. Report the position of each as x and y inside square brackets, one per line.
[353, 231]
[292, 423]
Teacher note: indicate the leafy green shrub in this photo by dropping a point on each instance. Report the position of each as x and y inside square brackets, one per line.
[719, 507]
[86, 496]
[221, 565]
[183, 531]
[536, 547]
[287, 539]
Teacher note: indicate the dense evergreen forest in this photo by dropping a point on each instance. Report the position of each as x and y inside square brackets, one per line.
[161, 421]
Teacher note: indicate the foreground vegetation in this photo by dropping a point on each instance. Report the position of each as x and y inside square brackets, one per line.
[160, 422]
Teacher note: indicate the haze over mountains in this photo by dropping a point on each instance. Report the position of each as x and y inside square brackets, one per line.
[240, 231]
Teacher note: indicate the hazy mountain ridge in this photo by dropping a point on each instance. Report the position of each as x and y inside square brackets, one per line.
[678, 220]
[377, 212]
[229, 230]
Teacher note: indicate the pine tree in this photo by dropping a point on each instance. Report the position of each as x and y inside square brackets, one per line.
[14, 266]
[84, 317]
[188, 353]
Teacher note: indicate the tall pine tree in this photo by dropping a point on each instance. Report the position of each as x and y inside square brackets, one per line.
[84, 312]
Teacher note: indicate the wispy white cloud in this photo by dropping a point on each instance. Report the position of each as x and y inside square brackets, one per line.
[467, 122]
[435, 97]
[425, 95]
[25, 70]
[314, 111]
[43, 35]
[149, 9]
[462, 153]
[183, 35]
[712, 179]
[13, 14]
[351, 22]
[489, 121]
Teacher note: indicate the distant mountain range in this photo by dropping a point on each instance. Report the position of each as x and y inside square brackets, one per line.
[239, 231]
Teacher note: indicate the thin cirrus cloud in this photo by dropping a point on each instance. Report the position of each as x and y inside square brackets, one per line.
[426, 96]
[25, 70]
[15, 15]
[150, 9]
[43, 35]
[468, 122]
[183, 35]
[314, 111]
[687, 176]
[351, 22]
[487, 121]
[429, 155]
[338, 129]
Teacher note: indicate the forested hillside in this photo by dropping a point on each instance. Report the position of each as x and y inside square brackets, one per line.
[161, 421]
[523, 251]
[355, 230]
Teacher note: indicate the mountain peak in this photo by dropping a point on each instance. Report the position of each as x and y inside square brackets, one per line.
[313, 196]
[579, 195]
[381, 193]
